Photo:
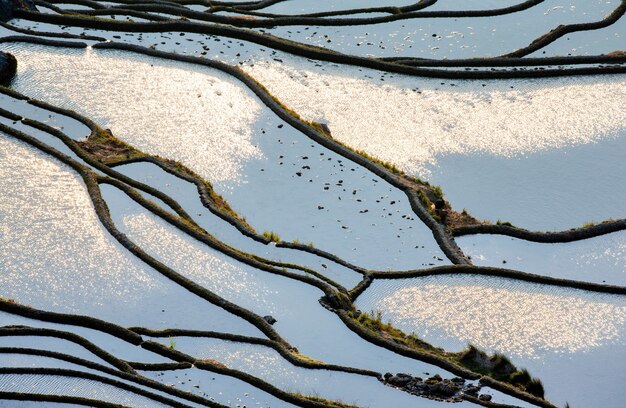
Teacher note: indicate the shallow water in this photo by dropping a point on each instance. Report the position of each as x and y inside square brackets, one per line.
[186, 194]
[551, 189]
[30, 404]
[600, 41]
[337, 208]
[448, 37]
[79, 387]
[512, 317]
[23, 360]
[36, 217]
[69, 126]
[310, 6]
[219, 388]
[184, 102]
[72, 264]
[107, 342]
[267, 364]
[600, 260]
[562, 336]
[584, 136]
[301, 320]
[543, 154]
[475, 138]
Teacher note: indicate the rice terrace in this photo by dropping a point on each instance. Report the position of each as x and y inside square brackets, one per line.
[300, 203]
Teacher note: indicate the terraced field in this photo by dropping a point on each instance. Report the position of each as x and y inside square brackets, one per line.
[282, 203]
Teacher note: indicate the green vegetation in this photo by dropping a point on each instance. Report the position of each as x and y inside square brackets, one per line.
[428, 205]
[172, 343]
[423, 199]
[373, 322]
[271, 236]
[329, 403]
[589, 224]
[107, 149]
[497, 366]
[505, 223]
[389, 166]
[220, 203]
[437, 191]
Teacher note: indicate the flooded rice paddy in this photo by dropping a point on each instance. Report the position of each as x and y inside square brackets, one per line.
[316, 204]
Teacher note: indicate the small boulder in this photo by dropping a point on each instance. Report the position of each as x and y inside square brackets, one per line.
[400, 380]
[269, 319]
[434, 379]
[418, 387]
[484, 397]
[443, 389]
[472, 390]
[8, 67]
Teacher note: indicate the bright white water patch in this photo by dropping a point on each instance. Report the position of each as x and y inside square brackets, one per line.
[503, 315]
[50, 236]
[55, 255]
[180, 111]
[600, 260]
[414, 121]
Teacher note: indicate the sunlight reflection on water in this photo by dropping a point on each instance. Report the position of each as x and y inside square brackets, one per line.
[500, 314]
[183, 112]
[412, 121]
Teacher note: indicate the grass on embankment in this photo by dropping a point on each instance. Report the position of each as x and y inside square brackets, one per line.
[497, 366]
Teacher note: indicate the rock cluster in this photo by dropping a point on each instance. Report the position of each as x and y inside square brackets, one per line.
[8, 6]
[435, 387]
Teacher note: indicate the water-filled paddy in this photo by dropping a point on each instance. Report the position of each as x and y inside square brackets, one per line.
[340, 207]
[202, 103]
[267, 364]
[600, 260]
[475, 138]
[562, 336]
[79, 387]
[292, 303]
[543, 154]
[72, 264]
[450, 37]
